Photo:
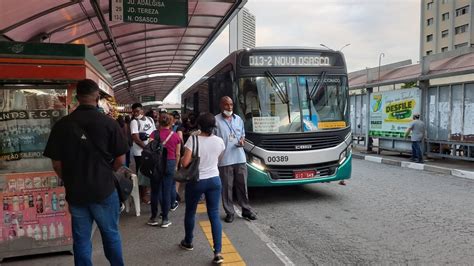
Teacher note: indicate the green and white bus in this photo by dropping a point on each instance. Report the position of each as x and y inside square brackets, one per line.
[295, 107]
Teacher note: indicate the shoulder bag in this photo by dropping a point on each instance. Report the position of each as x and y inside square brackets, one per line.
[190, 173]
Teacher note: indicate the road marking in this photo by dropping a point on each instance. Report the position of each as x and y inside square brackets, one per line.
[373, 159]
[268, 242]
[201, 208]
[206, 227]
[462, 173]
[416, 166]
[229, 252]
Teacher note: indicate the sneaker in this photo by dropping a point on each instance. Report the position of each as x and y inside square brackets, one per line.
[185, 245]
[165, 224]
[174, 206]
[152, 222]
[229, 218]
[249, 216]
[218, 259]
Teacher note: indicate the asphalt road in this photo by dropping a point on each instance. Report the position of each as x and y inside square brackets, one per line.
[385, 215]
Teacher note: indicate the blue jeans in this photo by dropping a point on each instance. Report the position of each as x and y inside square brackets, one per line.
[174, 193]
[212, 189]
[161, 191]
[417, 154]
[106, 215]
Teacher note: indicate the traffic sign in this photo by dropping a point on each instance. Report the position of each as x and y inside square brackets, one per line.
[166, 12]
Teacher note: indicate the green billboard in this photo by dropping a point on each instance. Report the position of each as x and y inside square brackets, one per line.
[165, 12]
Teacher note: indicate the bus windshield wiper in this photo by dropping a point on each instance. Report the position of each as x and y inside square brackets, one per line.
[277, 88]
[283, 95]
[308, 99]
[318, 85]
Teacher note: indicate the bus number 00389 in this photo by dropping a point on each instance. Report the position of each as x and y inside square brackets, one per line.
[277, 159]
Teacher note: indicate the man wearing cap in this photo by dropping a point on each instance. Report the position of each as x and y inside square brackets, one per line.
[417, 129]
[85, 148]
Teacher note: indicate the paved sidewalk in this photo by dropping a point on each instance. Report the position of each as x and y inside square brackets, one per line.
[146, 245]
[452, 167]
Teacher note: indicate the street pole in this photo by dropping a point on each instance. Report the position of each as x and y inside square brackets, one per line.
[344, 47]
[380, 61]
[322, 44]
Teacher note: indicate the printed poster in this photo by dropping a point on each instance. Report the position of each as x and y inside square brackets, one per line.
[266, 124]
[34, 212]
[391, 112]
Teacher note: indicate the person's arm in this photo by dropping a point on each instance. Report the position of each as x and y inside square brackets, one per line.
[242, 138]
[410, 128]
[119, 162]
[180, 134]
[178, 154]
[407, 132]
[135, 136]
[186, 160]
[58, 168]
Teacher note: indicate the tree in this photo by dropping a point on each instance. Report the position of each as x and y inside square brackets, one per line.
[407, 85]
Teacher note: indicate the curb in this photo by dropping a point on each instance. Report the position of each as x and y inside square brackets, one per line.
[416, 166]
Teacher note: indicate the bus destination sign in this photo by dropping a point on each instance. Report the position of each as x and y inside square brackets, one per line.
[165, 12]
[303, 60]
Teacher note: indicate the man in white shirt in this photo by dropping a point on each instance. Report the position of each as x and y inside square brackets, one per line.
[141, 128]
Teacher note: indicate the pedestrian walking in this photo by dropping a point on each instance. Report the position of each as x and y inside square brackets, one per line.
[85, 147]
[141, 127]
[232, 167]
[417, 129]
[210, 149]
[172, 143]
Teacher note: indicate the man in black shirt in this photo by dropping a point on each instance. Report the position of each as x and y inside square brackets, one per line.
[85, 147]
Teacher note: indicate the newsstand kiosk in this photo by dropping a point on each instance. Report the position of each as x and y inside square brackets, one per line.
[37, 88]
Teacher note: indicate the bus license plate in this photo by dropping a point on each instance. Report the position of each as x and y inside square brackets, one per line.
[304, 174]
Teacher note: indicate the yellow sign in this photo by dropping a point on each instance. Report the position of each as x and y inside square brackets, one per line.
[333, 124]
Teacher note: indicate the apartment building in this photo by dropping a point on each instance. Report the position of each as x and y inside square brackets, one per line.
[446, 25]
[242, 31]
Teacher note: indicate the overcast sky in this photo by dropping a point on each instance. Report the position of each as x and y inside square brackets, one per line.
[371, 27]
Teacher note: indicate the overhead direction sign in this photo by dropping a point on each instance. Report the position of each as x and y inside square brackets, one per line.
[148, 98]
[165, 12]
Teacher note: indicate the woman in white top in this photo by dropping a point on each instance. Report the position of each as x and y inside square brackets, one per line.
[209, 184]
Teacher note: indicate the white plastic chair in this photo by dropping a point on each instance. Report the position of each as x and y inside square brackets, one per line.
[136, 197]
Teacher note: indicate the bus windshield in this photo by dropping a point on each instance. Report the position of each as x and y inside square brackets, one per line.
[285, 104]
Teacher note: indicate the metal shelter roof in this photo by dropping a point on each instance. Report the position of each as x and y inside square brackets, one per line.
[154, 58]
[438, 66]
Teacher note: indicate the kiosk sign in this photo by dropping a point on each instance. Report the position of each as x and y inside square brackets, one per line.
[165, 12]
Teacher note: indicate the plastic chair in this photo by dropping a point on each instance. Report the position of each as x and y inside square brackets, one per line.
[136, 197]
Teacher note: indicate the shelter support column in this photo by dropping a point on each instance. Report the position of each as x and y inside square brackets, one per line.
[368, 139]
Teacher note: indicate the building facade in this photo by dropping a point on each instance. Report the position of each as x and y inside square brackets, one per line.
[242, 31]
[445, 25]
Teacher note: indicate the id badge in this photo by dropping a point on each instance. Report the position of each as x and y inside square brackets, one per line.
[231, 137]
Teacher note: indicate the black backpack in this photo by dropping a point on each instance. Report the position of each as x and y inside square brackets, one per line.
[154, 156]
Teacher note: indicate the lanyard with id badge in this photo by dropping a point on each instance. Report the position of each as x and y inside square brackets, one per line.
[233, 134]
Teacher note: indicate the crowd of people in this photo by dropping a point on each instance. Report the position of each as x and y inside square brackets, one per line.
[101, 146]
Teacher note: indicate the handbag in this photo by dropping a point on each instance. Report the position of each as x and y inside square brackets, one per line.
[190, 173]
[123, 183]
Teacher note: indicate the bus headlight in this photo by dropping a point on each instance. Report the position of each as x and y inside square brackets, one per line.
[256, 162]
[344, 154]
